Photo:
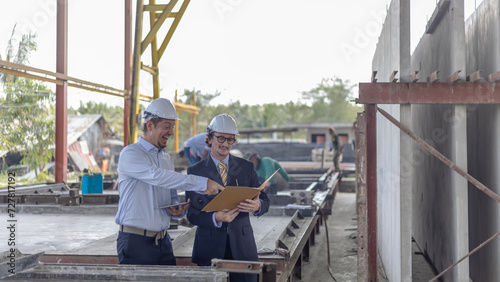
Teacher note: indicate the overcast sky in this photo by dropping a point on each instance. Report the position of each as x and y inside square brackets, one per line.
[258, 51]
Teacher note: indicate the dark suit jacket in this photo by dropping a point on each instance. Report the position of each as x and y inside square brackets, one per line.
[210, 241]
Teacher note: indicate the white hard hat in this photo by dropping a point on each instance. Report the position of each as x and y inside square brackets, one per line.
[223, 123]
[160, 108]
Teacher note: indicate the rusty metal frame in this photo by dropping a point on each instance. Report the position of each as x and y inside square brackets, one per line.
[429, 93]
[61, 149]
[58, 78]
[370, 94]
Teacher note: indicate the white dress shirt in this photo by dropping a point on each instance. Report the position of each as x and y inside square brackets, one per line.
[146, 181]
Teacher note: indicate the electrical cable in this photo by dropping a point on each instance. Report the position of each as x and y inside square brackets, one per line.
[327, 240]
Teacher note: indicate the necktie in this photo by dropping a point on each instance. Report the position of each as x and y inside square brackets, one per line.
[223, 172]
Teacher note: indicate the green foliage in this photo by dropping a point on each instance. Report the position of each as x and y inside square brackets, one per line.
[330, 101]
[19, 56]
[28, 121]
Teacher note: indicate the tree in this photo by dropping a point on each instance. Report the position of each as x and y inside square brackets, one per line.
[19, 56]
[28, 121]
[330, 101]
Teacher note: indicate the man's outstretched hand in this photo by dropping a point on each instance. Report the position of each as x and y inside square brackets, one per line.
[213, 187]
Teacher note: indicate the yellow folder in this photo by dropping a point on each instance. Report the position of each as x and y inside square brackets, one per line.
[231, 196]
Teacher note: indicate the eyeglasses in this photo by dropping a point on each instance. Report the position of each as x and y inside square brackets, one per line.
[222, 139]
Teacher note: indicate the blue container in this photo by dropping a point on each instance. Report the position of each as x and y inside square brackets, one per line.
[92, 183]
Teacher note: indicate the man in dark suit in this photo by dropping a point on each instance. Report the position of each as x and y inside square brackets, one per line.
[225, 234]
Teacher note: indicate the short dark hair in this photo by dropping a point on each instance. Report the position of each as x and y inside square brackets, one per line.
[145, 126]
[209, 136]
[250, 155]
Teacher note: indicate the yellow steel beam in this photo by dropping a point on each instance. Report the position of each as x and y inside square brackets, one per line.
[194, 115]
[158, 13]
[153, 21]
[22, 70]
[158, 8]
[151, 70]
[154, 29]
[174, 25]
[32, 76]
[134, 96]
[176, 147]
[82, 84]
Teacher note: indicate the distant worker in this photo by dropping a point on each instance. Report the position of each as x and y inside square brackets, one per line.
[195, 148]
[225, 234]
[146, 182]
[265, 167]
[335, 144]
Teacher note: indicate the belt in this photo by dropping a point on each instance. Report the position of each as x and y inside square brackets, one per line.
[143, 232]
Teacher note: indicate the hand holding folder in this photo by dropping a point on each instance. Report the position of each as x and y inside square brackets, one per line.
[231, 196]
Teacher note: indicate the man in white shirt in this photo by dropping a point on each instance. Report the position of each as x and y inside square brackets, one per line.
[195, 148]
[147, 182]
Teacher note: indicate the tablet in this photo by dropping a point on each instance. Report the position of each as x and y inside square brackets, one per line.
[174, 205]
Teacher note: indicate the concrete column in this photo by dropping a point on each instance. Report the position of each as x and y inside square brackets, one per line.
[459, 150]
[371, 189]
[406, 171]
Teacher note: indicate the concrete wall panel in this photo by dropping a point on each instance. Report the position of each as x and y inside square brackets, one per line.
[467, 135]
[440, 224]
[394, 242]
[484, 216]
[483, 53]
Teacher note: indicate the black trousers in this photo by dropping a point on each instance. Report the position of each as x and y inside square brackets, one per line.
[138, 249]
[237, 277]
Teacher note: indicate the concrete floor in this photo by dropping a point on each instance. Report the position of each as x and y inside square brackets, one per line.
[96, 234]
[342, 235]
[342, 240]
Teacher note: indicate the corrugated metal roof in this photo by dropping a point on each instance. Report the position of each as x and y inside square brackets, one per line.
[78, 124]
[82, 159]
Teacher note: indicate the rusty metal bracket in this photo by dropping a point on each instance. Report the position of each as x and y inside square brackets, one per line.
[454, 77]
[265, 270]
[414, 78]
[475, 76]
[494, 77]
[433, 77]
[374, 76]
[393, 77]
